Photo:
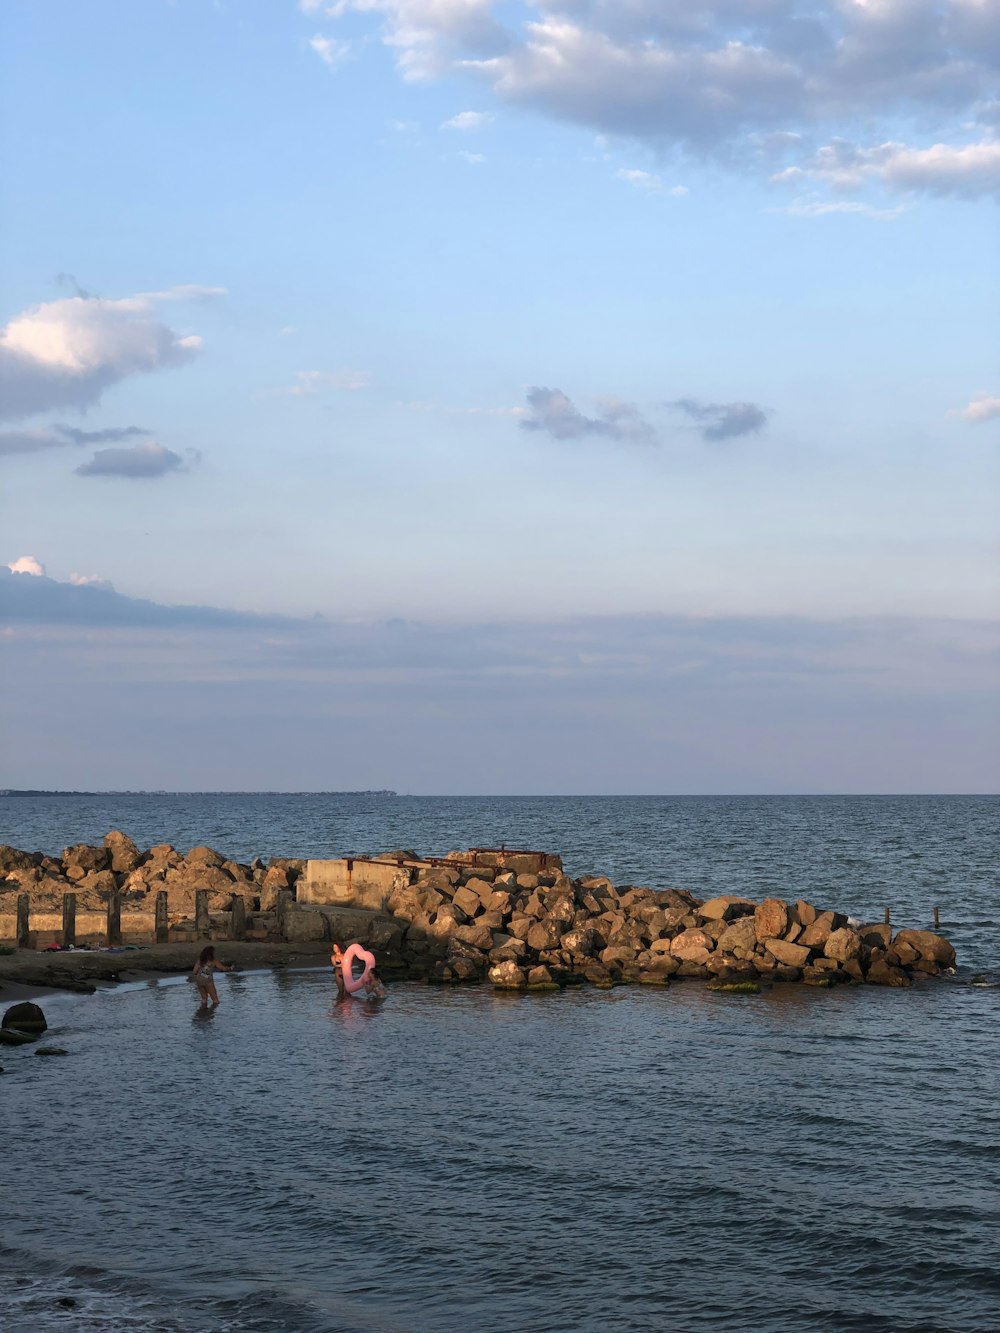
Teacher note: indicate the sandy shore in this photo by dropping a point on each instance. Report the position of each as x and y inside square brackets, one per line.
[25, 973]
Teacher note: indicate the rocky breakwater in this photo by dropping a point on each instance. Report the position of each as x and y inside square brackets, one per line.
[528, 931]
[94, 874]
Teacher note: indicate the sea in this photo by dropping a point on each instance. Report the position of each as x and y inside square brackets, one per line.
[454, 1159]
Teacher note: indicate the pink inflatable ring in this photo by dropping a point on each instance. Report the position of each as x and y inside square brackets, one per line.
[352, 984]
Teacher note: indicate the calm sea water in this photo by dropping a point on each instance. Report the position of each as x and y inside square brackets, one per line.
[459, 1159]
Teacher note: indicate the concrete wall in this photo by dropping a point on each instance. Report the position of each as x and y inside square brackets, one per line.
[351, 883]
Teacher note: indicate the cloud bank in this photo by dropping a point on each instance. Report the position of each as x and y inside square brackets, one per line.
[719, 78]
[140, 461]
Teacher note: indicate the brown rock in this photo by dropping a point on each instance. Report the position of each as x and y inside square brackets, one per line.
[123, 852]
[816, 935]
[545, 934]
[725, 908]
[90, 858]
[691, 967]
[935, 948]
[468, 900]
[882, 973]
[204, 856]
[695, 944]
[771, 919]
[842, 944]
[740, 934]
[792, 955]
[805, 913]
[581, 941]
[876, 935]
[541, 978]
[527, 881]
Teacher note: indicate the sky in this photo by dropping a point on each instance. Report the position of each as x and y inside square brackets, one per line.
[466, 397]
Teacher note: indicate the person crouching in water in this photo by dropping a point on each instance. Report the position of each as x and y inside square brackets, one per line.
[373, 988]
[203, 975]
[337, 963]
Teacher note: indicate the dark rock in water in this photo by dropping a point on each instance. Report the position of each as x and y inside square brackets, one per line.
[51, 1050]
[12, 1037]
[25, 1017]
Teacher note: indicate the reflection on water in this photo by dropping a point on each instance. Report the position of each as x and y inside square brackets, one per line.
[458, 1159]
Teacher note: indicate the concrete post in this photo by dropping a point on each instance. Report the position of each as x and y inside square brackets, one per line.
[23, 933]
[202, 924]
[69, 919]
[162, 922]
[238, 918]
[281, 913]
[115, 919]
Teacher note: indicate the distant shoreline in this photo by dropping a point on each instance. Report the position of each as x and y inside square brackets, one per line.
[14, 792]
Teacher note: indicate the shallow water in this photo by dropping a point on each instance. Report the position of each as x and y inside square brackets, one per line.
[459, 1159]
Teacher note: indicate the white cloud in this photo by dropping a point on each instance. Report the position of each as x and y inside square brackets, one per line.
[67, 353]
[314, 381]
[758, 76]
[330, 51]
[818, 208]
[944, 169]
[983, 407]
[90, 581]
[467, 120]
[679, 191]
[641, 180]
[27, 564]
[473, 159]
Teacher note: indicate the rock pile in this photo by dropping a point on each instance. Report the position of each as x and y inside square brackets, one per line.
[95, 873]
[542, 931]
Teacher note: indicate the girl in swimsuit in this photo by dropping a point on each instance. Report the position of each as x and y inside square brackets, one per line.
[337, 963]
[203, 975]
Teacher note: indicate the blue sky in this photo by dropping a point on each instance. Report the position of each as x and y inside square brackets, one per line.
[527, 327]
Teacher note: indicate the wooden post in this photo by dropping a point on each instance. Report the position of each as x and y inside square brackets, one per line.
[281, 913]
[202, 924]
[238, 918]
[115, 919]
[162, 921]
[887, 916]
[23, 934]
[937, 912]
[69, 919]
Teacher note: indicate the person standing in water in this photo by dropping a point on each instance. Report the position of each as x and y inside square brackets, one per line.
[337, 963]
[203, 975]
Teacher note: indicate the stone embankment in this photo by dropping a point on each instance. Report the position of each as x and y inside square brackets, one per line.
[514, 919]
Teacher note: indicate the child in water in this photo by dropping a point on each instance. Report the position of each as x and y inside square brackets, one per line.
[203, 975]
[373, 988]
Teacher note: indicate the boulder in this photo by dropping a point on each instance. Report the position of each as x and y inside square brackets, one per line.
[805, 913]
[927, 945]
[792, 955]
[816, 935]
[303, 924]
[123, 852]
[693, 944]
[545, 934]
[90, 858]
[468, 900]
[882, 973]
[24, 1017]
[876, 935]
[842, 944]
[771, 919]
[508, 976]
[726, 908]
[541, 978]
[740, 934]
[204, 856]
[581, 941]
[12, 860]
